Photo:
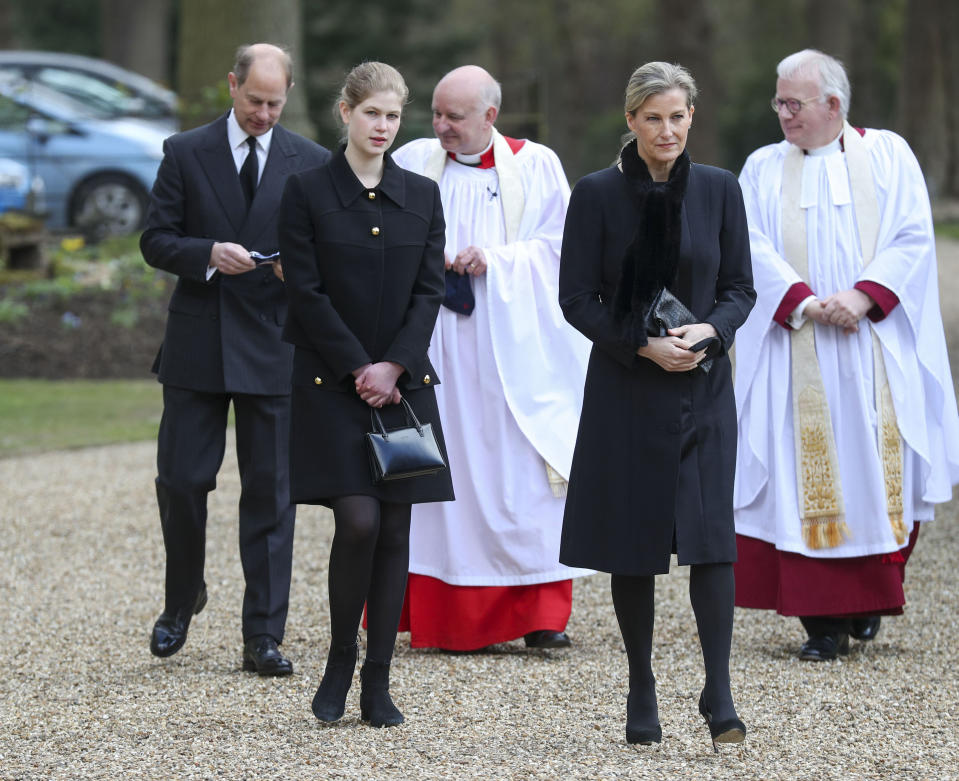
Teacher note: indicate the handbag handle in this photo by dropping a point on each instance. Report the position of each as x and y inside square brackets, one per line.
[378, 426]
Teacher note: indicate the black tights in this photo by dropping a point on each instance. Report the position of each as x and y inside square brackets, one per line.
[712, 593]
[369, 560]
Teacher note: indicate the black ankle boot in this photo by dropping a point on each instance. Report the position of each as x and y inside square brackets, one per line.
[329, 702]
[376, 707]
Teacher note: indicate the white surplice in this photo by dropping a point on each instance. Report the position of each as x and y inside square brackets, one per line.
[913, 347]
[511, 378]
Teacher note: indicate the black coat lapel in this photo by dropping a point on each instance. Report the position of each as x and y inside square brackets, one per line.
[216, 159]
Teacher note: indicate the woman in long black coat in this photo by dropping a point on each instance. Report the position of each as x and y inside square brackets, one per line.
[652, 471]
[361, 242]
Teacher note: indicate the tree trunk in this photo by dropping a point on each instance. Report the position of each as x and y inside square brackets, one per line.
[8, 28]
[949, 23]
[829, 27]
[137, 36]
[922, 105]
[687, 34]
[211, 31]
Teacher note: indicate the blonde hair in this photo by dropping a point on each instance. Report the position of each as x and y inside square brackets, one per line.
[366, 79]
[654, 78]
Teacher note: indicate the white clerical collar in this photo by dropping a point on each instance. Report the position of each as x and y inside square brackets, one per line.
[237, 136]
[824, 158]
[828, 149]
[473, 159]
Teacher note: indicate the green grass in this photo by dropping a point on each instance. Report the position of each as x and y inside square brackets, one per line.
[41, 415]
[949, 230]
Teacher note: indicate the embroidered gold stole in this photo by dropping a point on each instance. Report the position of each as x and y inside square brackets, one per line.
[822, 511]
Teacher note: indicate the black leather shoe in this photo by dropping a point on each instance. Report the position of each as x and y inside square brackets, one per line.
[864, 628]
[261, 655]
[724, 731]
[546, 638]
[169, 631]
[824, 648]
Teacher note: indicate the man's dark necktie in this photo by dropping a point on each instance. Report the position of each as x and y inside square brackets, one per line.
[249, 171]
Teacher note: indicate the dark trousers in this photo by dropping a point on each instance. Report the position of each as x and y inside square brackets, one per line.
[190, 450]
[825, 625]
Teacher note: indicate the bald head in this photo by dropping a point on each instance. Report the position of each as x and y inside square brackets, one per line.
[267, 56]
[466, 103]
[473, 82]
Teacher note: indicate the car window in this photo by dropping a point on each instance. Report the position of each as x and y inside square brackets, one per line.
[13, 116]
[108, 97]
[103, 98]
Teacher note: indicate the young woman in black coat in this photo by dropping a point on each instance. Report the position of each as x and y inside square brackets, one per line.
[361, 242]
[652, 471]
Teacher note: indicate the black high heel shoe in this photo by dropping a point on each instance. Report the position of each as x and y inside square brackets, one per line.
[638, 733]
[725, 731]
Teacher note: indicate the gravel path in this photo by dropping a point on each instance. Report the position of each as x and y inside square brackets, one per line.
[82, 697]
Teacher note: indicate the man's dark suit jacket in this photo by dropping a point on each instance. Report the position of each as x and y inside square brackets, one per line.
[222, 335]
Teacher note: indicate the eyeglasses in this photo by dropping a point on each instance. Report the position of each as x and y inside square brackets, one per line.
[793, 106]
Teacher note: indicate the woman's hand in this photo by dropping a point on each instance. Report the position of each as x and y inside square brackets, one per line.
[376, 383]
[671, 353]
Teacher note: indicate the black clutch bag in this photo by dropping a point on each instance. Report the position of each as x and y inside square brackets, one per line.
[408, 451]
[667, 312]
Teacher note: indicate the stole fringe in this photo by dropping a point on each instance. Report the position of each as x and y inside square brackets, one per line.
[557, 484]
[824, 532]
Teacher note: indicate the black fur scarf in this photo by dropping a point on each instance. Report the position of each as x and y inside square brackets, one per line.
[652, 259]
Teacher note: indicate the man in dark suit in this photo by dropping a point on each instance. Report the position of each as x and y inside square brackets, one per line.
[215, 201]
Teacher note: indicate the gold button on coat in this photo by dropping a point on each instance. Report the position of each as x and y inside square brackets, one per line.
[427, 380]
[317, 380]
[375, 231]
[371, 196]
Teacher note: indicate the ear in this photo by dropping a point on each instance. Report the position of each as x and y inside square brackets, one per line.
[234, 84]
[692, 110]
[345, 112]
[491, 113]
[631, 120]
[833, 102]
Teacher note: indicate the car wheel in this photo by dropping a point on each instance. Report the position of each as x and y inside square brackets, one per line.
[108, 205]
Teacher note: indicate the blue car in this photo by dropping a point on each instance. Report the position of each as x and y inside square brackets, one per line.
[97, 172]
[19, 191]
[109, 89]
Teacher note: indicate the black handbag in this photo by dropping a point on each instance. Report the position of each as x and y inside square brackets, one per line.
[667, 312]
[408, 451]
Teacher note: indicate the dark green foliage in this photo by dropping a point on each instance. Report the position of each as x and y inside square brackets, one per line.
[57, 25]
[421, 38]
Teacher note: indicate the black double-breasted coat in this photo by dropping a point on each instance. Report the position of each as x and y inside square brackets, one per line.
[364, 275]
[223, 332]
[655, 453]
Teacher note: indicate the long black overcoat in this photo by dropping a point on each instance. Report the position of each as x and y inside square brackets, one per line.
[623, 511]
[364, 274]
